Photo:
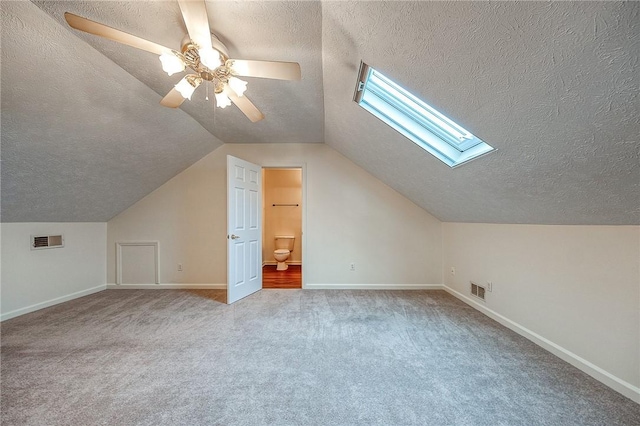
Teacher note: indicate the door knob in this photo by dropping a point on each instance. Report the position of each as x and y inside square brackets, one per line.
[234, 237]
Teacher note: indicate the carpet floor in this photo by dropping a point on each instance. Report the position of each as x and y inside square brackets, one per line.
[287, 357]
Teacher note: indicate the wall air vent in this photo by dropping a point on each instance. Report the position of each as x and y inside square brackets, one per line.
[477, 290]
[46, 241]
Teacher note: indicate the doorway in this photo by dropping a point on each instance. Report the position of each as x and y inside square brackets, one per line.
[282, 227]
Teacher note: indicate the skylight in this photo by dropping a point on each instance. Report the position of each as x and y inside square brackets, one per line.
[413, 118]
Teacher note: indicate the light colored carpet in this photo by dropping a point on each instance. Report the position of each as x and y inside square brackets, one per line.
[287, 357]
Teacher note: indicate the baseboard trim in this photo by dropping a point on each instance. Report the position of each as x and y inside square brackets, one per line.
[373, 286]
[273, 262]
[167, 286]
[51, 302]
[625, 388]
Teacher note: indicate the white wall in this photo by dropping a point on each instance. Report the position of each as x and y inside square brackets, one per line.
[577, 286]
[35, 279]
[350, 217]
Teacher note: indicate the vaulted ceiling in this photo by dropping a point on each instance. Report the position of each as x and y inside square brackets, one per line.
[553, 86]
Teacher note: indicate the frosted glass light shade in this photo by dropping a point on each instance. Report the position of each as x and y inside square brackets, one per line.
[222, 100]
[185, 88]
[210, 58]
[237, 85]
[171, 64]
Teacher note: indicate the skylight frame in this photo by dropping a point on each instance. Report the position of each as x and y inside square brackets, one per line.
[416, 120]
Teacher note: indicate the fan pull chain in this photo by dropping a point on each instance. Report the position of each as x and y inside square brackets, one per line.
[207, 96]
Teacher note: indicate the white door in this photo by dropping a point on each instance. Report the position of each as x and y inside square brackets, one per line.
[244, 227]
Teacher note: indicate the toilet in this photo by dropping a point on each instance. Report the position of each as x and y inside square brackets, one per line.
[284, 247]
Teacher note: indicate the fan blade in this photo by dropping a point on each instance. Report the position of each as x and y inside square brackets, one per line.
[96, 28]
[173, 99]
[245, 105]
[267, 69]
[195, 18]
[219, 46]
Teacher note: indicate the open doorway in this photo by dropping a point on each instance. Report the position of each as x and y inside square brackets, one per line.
[282, 228]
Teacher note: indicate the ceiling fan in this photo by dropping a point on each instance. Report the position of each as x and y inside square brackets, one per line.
[206, 57]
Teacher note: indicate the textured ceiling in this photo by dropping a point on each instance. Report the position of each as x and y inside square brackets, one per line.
[278, 31]
[83, 134]
[81, 138]
[553, 86]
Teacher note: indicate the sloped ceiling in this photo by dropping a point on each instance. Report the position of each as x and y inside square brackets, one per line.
[553, 86]
[277, 31]
[81, 138]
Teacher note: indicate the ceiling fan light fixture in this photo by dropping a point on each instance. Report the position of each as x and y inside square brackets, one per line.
[187, 85]
[222, 100]
[171, 63]
[204, 54]
[237, 85]
[210, 58]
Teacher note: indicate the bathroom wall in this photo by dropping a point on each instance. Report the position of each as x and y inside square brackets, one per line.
[282, 186]
[351, 217]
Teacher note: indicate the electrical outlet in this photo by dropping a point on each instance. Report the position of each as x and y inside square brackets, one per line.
[352, 267]
[453, 270]
[489, 286]
[179, 267]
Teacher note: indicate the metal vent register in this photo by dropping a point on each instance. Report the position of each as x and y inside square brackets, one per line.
[477, 290]
[46, 241]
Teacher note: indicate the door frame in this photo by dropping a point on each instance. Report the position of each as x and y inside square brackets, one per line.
[303, 166]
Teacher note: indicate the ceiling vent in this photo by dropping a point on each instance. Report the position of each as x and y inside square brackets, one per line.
[46, 241]
[477, 290]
